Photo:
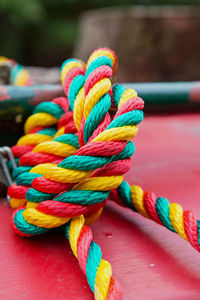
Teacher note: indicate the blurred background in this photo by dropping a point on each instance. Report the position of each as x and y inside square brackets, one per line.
[156, 40]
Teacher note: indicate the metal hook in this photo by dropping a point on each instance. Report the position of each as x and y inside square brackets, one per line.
[10, 156]
[5, 176]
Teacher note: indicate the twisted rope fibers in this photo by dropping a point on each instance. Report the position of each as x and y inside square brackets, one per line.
[158, 209]
[46, 151]
[39, 127]
[30, 159]
[104, 124]
[111, 285]
[72, 182]
[146, 203]
[43, 145]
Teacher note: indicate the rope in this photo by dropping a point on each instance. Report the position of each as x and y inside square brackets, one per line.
[39, 127]
[19, 75]
[71, 177]
[170, 215]
[88, 176]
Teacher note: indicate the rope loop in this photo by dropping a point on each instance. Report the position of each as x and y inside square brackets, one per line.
[68, 179]
[72, 160]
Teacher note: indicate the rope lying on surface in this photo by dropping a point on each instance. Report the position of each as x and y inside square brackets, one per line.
[91, 154]
[104, 137]
[172, 216]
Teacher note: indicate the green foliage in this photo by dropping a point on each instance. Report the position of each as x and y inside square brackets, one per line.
[43, 32]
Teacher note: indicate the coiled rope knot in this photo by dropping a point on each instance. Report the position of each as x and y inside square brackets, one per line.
[91, 161]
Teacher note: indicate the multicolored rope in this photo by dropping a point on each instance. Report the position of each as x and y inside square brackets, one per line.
[51, 172]
[108, 139]
[73, 72]
[39, 127]
[64, 144]
[19, 75]
[97, 270]
[170, 215]
[52, 152]
[71, 177]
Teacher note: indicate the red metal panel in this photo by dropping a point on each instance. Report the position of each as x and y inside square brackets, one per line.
[149, 261]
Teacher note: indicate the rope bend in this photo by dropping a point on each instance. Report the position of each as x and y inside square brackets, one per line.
[73, 189]
[39, 127]
[92, 171]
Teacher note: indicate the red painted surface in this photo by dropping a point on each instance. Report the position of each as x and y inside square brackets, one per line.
[149, 261]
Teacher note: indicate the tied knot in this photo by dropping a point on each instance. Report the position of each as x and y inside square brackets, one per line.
[66, 180]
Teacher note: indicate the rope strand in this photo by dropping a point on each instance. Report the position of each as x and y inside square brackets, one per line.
[68, 179]
[158, 209]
